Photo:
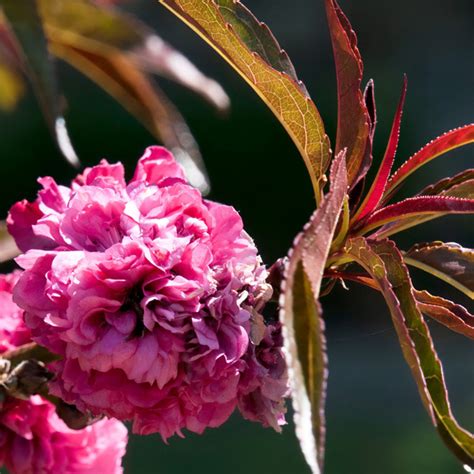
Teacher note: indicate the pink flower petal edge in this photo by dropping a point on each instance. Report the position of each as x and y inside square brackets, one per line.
[32, 437]
[150, 294]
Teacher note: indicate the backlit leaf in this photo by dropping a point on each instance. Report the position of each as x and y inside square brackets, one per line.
[352, 115]
[448, 261]
[446, 142]
[116, 74]
[81, 24]
[26, 24]
[460, 185]
[452, 315]
[375, 193]
[384, 263]
[224, 25]
[301, 316]
[415, 207]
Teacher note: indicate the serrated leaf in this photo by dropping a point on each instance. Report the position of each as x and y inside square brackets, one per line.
[375, 193]
[301, 316]
[460, 185]
[224, 26]
[27, 27]
[352, 116]
[452, 315]
[418, 207]
[84, 25]
[8, 248]
[437, 147]
[384, 263]
[448, 261]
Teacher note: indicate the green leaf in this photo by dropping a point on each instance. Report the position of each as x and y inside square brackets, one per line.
[301, 316]
[352, 115]
[8, 248]
[26, 24]
[448, 261]
[452, 315]
[384, 263]
[225, 26]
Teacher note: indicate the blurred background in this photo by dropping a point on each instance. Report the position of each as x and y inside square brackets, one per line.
[376, 423]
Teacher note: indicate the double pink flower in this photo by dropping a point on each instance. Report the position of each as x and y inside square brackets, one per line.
[32, 437]
[151, 296]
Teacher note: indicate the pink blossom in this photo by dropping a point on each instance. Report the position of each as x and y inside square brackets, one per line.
[149, 293]
[32, 437]
[13, 332]
[34, 440]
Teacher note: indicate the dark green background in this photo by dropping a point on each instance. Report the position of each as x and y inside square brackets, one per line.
[376, 423]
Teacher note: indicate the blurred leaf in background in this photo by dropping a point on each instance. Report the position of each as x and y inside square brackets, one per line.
[116, 51]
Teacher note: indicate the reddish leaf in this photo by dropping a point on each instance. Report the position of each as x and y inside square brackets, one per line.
[369, 101]
[353, 118]
[302, 322]
[449, 141]
[448, 261]
[377, 189]
[453, 316]
[416, 206]
[384, 263]
[460, 185]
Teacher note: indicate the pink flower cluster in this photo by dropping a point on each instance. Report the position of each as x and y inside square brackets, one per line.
[33, 439]
[151, 295]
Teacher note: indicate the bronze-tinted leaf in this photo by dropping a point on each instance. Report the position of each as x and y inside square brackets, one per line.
[452, 315]
[413, 211]
[448, 261]
[353, 118]
[86, 26]
[437, 147]
[301, 316]
[117, 75]
[384, 263]
[375, 193]
[460, 185]
[224, 26]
